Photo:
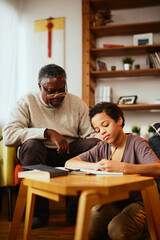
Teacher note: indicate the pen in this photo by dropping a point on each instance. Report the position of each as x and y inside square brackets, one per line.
[110, 158]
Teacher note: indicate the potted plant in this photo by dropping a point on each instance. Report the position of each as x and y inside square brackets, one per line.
[127, 63]
[136, 130]
[151, 131]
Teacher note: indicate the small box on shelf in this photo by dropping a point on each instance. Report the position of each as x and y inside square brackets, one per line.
[143, 39]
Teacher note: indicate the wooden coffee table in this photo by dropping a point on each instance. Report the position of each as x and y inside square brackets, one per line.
[93, 190]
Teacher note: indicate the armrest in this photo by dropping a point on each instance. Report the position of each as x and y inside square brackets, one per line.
[7, 164]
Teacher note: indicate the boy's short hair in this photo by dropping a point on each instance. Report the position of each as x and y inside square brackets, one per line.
[111, 109]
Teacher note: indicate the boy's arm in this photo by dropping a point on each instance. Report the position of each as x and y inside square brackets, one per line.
[77, 162]
[152, 169]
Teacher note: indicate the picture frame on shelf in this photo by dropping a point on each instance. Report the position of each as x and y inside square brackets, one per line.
[127, 100]
[143, 39]
[102, 65]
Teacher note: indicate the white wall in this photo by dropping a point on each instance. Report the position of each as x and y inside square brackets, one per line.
[32, 10]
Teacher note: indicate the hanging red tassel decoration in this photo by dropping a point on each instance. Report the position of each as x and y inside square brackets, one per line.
[50, 27]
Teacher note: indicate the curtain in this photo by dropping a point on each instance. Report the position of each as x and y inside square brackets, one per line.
[9, 31]
[23, 51]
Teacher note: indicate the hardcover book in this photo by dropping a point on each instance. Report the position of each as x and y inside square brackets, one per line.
[41, 171]
[112, 45]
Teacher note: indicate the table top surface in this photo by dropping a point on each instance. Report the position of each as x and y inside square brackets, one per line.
[71, 184]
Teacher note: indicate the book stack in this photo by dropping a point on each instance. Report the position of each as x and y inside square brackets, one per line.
[112, 45]
[154, 60]
[103, 94]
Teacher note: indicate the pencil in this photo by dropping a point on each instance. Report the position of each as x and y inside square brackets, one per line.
[110, 158]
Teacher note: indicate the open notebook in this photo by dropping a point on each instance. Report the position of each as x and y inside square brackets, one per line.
[89, 171]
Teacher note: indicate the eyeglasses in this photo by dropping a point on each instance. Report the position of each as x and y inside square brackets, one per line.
[55, 93]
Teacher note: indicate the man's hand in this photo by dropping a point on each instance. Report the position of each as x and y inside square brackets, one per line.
[58, 139]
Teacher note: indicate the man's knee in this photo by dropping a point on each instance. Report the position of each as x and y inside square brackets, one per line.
[32, 143]
[90, 143]
[32, 152]
[93, 141]
[79, 146]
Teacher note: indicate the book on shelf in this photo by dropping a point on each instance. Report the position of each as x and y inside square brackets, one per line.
[157, 55]
[148, 62]
[41, 171]
[152, 65]
[154, 60]
[112, 45]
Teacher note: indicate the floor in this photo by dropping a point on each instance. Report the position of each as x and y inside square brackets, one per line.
[56, 229]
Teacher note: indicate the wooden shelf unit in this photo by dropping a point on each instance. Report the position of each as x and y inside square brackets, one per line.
[123, 4]
[129, 50]
[125, 29]
[140, 107]
[126, 73]
[90, 52]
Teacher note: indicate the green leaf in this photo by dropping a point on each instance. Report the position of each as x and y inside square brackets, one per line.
[136, 129]
[128, 60]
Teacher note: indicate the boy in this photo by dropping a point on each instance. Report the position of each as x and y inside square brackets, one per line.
[117, 152]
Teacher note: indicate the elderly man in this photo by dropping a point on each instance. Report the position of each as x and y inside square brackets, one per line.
[49, 127]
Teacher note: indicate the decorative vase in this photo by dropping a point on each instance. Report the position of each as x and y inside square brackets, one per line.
[127, 66]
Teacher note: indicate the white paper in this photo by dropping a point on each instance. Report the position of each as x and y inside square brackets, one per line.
[100, 172]
[90, 171]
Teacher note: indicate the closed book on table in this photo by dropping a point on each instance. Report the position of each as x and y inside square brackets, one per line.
[41, 171]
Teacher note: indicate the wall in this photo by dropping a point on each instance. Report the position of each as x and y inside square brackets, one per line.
[146, 88]
[32, 10]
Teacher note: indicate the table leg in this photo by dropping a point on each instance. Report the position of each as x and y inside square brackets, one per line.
[87, 200]
[18, 213]
[152, 206]
[32, 192]
[29, 213]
